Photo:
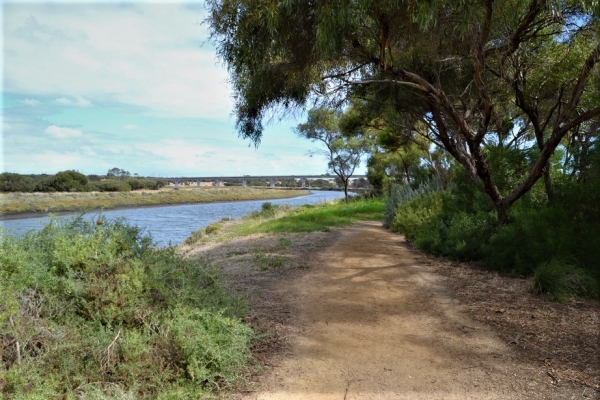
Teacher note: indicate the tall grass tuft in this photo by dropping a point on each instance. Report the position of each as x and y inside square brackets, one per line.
[561, 280]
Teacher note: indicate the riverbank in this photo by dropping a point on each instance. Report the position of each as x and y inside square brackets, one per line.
[21, 205]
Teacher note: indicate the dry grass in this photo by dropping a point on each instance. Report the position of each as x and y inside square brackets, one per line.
[12, 203]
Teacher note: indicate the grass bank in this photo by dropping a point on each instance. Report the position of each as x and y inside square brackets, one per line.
[284, 219]
[17, 203]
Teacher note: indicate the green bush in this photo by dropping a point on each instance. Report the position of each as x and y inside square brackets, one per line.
[140, 183]
[112, 185]
[412, 215]
[194, 237]
[11, 182]
[64, 181]
[94, 310]
[212, 228]
[561, 280]
[268, 209]
[400, 194]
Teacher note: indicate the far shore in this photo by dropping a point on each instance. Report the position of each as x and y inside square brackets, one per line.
[33, 205]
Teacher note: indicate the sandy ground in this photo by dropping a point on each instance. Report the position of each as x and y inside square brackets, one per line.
[355, 314]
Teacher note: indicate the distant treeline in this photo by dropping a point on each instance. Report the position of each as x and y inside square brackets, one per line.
[116, 180]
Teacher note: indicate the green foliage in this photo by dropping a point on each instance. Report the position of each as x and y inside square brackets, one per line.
[316, 218]
[212, 228]
[93, 310]
[343, 150]
[117, 173]
[494, 105]
[268, 209]
[10, 182]
[459, 223]
[561, 280]
[65, 181]
[194, 237]
[400, 194]
[111, 185]
[411, 215]
[139, 184]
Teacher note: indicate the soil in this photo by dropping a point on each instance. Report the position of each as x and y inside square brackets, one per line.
[356, 313]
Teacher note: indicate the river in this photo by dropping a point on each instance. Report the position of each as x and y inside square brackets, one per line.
[171, 225]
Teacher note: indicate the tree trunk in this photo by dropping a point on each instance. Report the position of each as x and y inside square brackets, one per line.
[502, 210]
[346, 189]
[548, 183]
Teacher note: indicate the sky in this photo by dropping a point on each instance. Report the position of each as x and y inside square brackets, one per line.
[133, 85]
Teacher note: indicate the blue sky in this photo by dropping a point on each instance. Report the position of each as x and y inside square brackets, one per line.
[92, 86]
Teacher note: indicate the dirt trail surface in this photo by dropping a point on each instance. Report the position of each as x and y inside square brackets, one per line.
[361, 317]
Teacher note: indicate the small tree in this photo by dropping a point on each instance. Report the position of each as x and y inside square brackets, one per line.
[117, 173]
[342, 151]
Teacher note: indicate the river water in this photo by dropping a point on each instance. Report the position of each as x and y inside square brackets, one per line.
[171, 225]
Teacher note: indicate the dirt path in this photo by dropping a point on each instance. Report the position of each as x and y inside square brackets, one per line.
[372, 323]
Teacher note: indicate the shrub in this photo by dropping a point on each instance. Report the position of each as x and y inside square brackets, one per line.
[413, 214]
[93, 310]
[140, 183]
[11, 182]
[268, 209]
[65, 181]
[561, 280]
[112, 185]
[400, 194]
[194, 237]
[212, 228]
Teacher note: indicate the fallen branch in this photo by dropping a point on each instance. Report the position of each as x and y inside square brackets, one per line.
[108, 349]
[17, 344]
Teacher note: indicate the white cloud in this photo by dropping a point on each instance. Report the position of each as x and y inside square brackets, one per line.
[78, 101]
[179, 157]
[88, 151]
[52, 161]
[62, 132]
[130, 127]
[151, 56]
[30, 102]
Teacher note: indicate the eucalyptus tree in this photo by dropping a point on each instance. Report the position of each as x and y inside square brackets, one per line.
[474, 72]
[343, 151]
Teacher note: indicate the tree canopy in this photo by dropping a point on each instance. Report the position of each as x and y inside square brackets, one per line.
[343, 152]
[475, 74]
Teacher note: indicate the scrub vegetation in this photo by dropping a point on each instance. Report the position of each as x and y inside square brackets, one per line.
[91, 310]
[555, 242]
[12, 203]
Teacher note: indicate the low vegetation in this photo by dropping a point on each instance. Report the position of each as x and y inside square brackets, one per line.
[557, 243]
[11, 203]
[284, 219]
[92, 310]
